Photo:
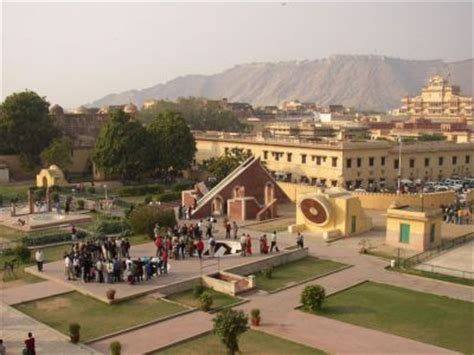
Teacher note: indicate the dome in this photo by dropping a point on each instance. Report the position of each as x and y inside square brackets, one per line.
[56, 110]
[130, 108]
[53, 167]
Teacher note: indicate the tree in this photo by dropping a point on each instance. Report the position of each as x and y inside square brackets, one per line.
[312, 297]
[143, 218]
[58, 153]
[122, 147]
[26, 127]
[171, 141]
[228, 326]
[220, 167]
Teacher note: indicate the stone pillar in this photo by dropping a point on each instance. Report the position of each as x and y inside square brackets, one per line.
[48, 199]
[31, 204]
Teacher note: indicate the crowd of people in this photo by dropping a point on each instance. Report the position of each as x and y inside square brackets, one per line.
[457, 213]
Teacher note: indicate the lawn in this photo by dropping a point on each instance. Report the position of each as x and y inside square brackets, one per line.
[219, 299]
[95, 317]
[293, 272]
[251, 342]
[279, 225]
[424, 317]
[11, 191]
[11, 234]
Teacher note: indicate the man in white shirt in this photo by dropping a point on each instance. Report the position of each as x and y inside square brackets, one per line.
[273, 241]
[39, 257]
[68, 268]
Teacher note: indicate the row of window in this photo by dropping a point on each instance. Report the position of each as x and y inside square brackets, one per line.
[412, 161]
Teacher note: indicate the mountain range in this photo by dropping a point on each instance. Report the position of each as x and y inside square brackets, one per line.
[359, 81]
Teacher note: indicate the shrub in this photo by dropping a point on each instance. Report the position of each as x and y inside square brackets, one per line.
[55, 197]
[80, 204]
[205, 301]
[22, 253]
[1, 200]
[148, 199]
[228, 326]
[255, 313]
[183, 185]
[115, 348]
[169, 196]
[268, 272]
[140, 190]
[143, 218]
[198, 290]
[32, 240]
[91, 190]
[39, 195]
[74, 329]
[113, 227]
[312, 297]
[110, 294]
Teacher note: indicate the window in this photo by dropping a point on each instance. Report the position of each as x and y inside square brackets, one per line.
[412, 163]
[226, 151]
[371, 161]
[455, 160]
[318, 160]
[396, 164]
[382, 161]
[334, 162]
[404, 233]
[440, 161]
[432, 232]
[349, 163]
[468, 159]
[303, 158]
[359, 162]
[288, 157]
[427, 161]
[265, 154]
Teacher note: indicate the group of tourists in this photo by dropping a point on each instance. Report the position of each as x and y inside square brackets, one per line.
[107, 260]
[457, 213]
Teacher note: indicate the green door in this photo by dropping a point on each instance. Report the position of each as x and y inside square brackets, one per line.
[404, 233]
[353, 224]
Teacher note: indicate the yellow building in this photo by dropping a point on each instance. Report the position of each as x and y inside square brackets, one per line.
[438, 100]
[52, 176]
[345, 163]
[414, 228]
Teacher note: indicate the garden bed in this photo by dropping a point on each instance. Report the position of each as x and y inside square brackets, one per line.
[219, 299]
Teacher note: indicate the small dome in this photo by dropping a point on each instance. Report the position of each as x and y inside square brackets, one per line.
[56, 110]
[53, 167]
[130, 108]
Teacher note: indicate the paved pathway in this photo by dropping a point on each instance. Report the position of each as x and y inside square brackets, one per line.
[34, 291]
[159, 335]
[15, 327]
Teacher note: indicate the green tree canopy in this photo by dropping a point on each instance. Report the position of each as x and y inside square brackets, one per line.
[199, 114]
[58, 153]
[172, 145]
[26, 127]
[228, 326]
[220, 167]
[122, 147]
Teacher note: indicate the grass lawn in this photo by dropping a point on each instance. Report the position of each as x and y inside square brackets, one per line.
[251, 342]
[436, 276]
[10, 191]
[95, 317]
[11, 234]
[22, 277]
[424, 317]
[296, 271]
[219, 299]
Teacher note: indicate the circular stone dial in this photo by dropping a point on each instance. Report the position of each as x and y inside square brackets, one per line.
[314, 211]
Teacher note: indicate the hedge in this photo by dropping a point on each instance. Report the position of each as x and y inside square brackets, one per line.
[140, 190]
[183, 185]
[169, 196]
[31, 241]
[113, 227]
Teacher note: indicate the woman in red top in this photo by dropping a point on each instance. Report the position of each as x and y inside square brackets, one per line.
[249, 245]
[200, 247]
[30, 345]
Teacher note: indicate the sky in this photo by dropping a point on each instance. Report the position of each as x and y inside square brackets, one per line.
[74, 53]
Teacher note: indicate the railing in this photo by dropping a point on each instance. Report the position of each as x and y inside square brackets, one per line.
[469, 275]
[444, 246]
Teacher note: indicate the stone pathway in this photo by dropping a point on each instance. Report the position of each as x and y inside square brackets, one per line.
[33, 291]
[159, 335]
[14, 329]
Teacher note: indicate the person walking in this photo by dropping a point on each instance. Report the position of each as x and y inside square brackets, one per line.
[273, 242]
[212, 246]
[228, 228]
[243, 245]
[235, 229]
[248, 245]
[30, 347]
[300, 240]
[68, 268]
[3, 349]
[200, 247]
[39, 257]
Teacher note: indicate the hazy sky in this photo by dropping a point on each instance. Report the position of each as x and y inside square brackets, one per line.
[73, 53]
